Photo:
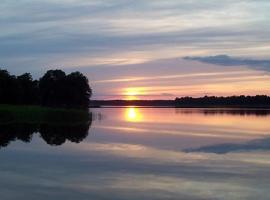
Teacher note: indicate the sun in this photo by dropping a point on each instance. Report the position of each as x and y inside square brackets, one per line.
[133, 93]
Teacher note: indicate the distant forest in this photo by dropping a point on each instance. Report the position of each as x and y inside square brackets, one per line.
[53, 89]
[57, 89]
[259, 101]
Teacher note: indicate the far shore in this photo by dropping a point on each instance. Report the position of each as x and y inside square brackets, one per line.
[177, 104]
[187, 107]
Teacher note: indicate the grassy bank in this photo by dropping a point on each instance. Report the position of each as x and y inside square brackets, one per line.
[38, 114]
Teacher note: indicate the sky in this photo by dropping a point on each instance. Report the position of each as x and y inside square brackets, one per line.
[142, 49]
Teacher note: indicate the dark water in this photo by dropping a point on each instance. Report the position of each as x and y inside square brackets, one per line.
[140, 153]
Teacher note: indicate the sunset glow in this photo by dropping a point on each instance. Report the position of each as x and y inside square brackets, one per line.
[133, 114]
[135, 99]
[170, 49]
[133, 93]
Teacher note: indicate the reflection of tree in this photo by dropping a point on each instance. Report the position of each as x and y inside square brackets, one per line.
[217, 111]
[12, 132]
[57, 135]
[52, 133]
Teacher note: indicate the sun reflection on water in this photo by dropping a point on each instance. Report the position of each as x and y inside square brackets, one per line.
[132, 114]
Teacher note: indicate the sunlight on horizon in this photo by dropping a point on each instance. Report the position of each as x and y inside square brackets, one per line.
[133, 93]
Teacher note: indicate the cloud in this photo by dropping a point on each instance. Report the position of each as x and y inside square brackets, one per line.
[84, 35]
[261, 144]
[37, 33]
[226, 60]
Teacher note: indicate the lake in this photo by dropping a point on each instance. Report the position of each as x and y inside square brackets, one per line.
[141, 153]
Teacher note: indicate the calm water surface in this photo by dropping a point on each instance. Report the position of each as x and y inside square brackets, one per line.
[141, 153]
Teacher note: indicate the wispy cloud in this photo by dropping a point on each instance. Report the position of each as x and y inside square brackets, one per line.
[52, 32]
[85, 35]
[190, 75]
[233, 61]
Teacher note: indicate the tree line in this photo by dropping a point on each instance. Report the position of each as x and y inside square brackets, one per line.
[231, 101]
[259, 101]
[54, 89]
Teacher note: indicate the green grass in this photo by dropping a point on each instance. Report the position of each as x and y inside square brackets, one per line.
[38, 114]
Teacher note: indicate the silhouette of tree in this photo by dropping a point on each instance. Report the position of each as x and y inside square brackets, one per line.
[8, 88]
[78, 91]
[51, 87]
[27, 89]
[232, 101]
[57, 89]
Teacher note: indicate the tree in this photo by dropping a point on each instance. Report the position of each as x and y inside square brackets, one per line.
[52, 88]
[55, 89]
[61, 90]
[27, 89]
[8, 88]
[78, 91]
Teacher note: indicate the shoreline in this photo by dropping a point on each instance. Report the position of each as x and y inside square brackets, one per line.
[40, 114]
[186, 107]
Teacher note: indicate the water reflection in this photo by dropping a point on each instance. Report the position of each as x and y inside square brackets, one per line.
[217, 111]
[52, 133]
[253, 145]
[133, 114]
[176, 155]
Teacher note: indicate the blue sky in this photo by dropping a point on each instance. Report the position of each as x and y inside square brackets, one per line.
[143, 42]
